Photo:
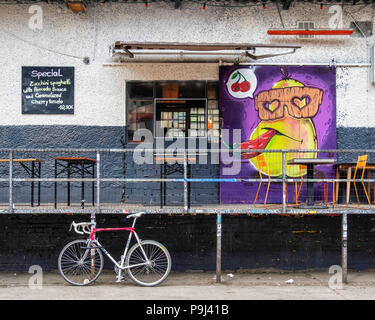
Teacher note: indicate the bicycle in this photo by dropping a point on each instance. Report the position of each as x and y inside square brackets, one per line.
[80, 262]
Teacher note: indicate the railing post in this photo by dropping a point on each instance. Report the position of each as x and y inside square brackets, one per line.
[185, 183]
[11, 181]
[98, 181]
[344, 248]
[284, 182]
[93, 215]
[218, 248]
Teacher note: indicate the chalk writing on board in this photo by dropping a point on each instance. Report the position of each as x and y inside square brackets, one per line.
[47, 90]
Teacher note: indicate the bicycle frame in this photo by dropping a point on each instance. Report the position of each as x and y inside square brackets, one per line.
[121, 266]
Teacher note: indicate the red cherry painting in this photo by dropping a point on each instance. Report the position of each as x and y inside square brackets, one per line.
[236, 87]
[239, 85]
[245, 86]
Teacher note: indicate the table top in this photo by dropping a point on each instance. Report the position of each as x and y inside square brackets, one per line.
[23, 160]
[311, 161]
[345, 165]
[173, 158]
[74, 159]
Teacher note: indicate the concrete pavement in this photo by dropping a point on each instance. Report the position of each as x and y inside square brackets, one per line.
[197, 286]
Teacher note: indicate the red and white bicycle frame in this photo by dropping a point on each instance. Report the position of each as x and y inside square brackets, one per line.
[93, 243]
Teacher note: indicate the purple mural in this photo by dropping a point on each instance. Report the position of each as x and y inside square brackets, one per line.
[290, 107]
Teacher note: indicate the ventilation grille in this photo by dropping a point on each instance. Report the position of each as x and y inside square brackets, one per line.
[306, 25]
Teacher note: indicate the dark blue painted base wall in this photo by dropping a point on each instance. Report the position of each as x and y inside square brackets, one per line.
[287, 243]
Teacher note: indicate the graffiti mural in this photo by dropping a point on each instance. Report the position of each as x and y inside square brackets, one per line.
[288, 107]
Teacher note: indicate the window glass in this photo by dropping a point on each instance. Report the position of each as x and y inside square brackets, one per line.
[197, 122]
[181, 89]
[178, 117]
[185, 118]
[140, 115]
[140, 90]
[212, 89]
[213, 120]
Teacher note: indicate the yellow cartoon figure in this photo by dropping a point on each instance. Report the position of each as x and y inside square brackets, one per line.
[285, 112]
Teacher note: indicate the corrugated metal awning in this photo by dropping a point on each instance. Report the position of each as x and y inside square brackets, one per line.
[195, 52]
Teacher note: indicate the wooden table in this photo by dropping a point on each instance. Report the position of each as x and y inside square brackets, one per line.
[71, 165]
[34, 172]
[170, 168]
[310, 163]
[350, 166]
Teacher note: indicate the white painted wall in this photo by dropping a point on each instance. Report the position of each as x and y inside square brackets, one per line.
[100, 90]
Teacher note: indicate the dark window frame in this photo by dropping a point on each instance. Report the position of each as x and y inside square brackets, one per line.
[154, 84]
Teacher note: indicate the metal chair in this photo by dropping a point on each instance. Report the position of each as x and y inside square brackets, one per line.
[303, 168]
[298, 191]
[361, 164]
[325, 189]
[262, 164]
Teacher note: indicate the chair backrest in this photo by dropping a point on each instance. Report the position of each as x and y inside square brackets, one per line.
[262, 163]
[361, 162]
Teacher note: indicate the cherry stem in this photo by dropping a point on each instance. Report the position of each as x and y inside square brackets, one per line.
[241, 75]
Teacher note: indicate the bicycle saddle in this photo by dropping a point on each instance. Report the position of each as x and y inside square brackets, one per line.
[136, 215]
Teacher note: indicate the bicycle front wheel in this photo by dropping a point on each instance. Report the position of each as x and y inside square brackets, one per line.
[80, 265]
[151, 271]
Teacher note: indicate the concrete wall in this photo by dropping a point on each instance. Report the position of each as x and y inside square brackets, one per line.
[100, 92]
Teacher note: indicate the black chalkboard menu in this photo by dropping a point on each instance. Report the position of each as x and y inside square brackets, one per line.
[47, 90]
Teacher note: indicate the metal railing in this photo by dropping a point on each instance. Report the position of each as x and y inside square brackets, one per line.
[281, 176]
[270, 164]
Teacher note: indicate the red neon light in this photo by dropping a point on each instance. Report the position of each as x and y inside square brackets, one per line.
[328, 32]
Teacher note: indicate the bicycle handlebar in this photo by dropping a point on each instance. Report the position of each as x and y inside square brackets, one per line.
[82, 227]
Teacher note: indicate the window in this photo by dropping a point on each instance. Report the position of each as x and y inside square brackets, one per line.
[181, 118]
[173, 108]
[140, 115]
[173, 123]
[213, 120]
[306, 25]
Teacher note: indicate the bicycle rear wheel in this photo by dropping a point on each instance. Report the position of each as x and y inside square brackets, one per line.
[152, 273]
[79, 265]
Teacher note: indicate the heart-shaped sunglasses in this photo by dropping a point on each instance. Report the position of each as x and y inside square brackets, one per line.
[301, 102]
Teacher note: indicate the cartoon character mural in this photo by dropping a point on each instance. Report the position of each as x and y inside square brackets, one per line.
[276, 108]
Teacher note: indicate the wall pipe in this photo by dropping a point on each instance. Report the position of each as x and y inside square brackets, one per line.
[223, 63]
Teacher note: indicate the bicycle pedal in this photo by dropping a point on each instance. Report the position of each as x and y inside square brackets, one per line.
[120, 279]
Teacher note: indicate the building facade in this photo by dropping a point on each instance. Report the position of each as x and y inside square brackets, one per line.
[112, 99]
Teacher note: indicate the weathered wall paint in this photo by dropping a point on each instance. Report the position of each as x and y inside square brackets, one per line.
[100, 91]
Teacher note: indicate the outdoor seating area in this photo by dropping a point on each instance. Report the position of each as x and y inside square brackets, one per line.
[307, 187]
[68, 166]
[32, 166]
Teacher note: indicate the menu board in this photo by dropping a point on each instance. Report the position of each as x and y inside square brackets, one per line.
[47, 90]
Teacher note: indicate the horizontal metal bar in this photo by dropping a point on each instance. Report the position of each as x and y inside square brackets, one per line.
[328, 64]
[175, 211]
[180, 210]
[182, 180]
[181, 151]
